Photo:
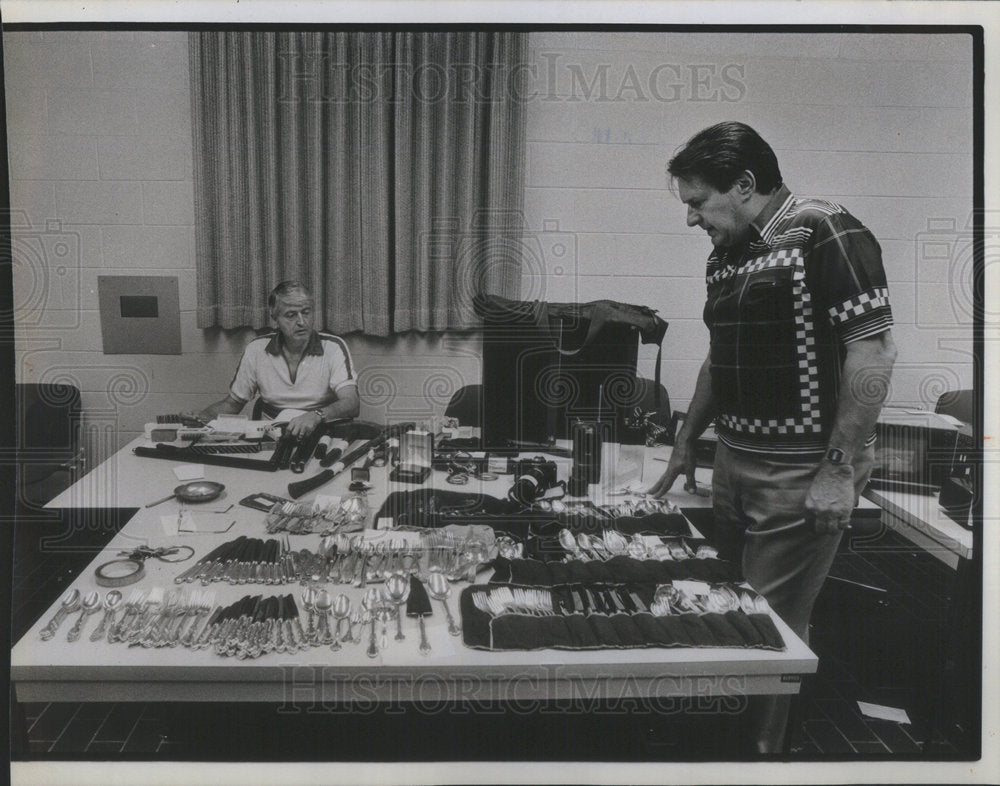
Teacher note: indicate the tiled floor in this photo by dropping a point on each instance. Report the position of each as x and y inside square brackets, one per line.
[876, 647]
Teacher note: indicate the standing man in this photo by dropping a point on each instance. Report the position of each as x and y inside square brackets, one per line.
[798, 367]
[294, 367]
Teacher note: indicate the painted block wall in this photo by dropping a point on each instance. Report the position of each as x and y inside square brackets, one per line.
[99, 144]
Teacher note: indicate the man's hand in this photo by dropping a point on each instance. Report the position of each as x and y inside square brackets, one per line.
[304, 425]
[681, 462]
[831, 498]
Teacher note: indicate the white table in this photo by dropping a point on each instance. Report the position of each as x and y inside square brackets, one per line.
[86, 671]
[922, 521]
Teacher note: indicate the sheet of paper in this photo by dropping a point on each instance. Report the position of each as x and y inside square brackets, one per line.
[883, 713]
[190, 471]
[235, 423]
[205, 523]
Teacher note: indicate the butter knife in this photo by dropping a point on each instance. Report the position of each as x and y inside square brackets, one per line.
[638, 602]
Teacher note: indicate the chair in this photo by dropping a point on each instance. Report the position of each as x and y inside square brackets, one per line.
[466, 405]
[959, 404]
[48, 454]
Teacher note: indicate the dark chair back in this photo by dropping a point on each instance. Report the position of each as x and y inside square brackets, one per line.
[466, 405]
[47, 439]
[960, 404]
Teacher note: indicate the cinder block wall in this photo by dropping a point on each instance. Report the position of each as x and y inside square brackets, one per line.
[99, 143]
[881, 124]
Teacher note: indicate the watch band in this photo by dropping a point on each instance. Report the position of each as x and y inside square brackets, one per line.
[835, 456]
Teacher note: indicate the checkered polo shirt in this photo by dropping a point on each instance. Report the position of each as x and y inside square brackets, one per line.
[781, 309]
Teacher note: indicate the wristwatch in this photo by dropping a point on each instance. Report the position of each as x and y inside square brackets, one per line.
[835, 456]
[322, 415]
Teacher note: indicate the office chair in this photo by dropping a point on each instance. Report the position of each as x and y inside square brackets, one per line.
[959, 404]
[466, 405]
[49, 457]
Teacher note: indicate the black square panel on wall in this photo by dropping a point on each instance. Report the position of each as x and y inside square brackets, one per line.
[140, 315]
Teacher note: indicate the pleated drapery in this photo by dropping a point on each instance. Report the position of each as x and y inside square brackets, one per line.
[386, 169]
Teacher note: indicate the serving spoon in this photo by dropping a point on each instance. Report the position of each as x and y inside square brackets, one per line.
[111, 603]
[398, 588]
[437, 584]
[70, 603]
[90, 604]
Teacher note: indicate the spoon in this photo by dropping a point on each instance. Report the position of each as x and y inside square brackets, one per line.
[341, 610]
[398, 587]
[90, 604]
[356, 618]
[69, 604]
[371, 601]
[322, 572]
[439, 588]
[111, 602]
[586, 545]
[615, 542]
[309, 603]
[568, 542]
[637, 548]
[323, 604]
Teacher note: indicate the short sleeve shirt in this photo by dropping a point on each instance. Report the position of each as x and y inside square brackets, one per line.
[781, 310]
[325, 368]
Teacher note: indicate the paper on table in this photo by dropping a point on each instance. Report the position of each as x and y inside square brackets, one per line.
[185, 522]
[883, 713]
[234, 423]
[190, 471]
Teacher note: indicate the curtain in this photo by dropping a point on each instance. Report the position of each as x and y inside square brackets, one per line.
[385, 169]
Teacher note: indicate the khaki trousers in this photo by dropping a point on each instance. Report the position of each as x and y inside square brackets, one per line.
[761, 525]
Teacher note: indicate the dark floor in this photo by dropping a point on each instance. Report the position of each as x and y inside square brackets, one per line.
[884, 648]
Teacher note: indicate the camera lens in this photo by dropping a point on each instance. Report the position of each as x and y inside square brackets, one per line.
[586, 453]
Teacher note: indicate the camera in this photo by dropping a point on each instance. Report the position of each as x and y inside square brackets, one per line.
[532, 478]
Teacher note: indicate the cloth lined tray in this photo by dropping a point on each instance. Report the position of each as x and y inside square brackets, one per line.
[616, 570]
[575, 628]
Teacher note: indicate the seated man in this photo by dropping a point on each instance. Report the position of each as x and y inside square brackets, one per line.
[293, 368]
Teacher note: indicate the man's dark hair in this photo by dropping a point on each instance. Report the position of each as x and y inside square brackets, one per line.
[721, 153]
[289, 285]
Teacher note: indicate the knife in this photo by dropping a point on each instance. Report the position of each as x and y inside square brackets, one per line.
[594, 596]
[578, 605]
[612, 594]
[418, 605]
[638, 602]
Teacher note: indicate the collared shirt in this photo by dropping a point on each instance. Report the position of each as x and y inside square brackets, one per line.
[781, 308]
[325, 367]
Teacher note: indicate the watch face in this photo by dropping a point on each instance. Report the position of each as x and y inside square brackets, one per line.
[835, 456]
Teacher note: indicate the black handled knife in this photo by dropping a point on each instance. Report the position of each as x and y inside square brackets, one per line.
[418, 604]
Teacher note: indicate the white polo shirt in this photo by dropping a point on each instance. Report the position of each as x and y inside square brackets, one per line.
[325, 367]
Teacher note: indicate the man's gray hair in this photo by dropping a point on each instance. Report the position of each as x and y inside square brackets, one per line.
[284, 288]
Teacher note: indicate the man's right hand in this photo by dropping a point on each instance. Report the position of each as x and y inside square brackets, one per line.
[682, 462]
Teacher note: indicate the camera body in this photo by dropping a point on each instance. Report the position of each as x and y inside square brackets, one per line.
[532, 478]
[541, 470]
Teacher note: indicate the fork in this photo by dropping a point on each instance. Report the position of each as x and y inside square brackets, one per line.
[204, 605]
